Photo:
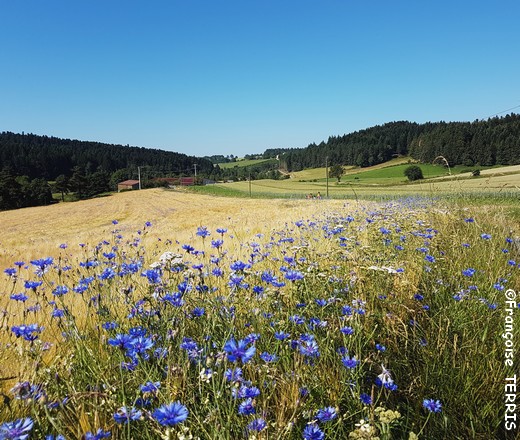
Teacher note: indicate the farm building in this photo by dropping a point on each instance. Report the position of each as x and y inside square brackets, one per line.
[128, 184]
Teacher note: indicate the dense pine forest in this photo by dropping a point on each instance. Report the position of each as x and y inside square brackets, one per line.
[495, 141]
[48, 157]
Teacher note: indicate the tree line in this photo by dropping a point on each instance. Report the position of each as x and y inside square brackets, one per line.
[48, 157]
[495, 141]
[29, 162]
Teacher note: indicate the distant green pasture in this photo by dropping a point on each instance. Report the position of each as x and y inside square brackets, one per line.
[382, 183]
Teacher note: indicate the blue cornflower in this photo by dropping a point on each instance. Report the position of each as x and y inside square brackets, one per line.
[293, 275]
[26, 331]
[121, 340]
[217, 244]
[239, 266]
[188, 248]
[257, 425]
[316, 322]
[202, 231]
[239, 392]
[326, 414]
[140, 346]
[384, 231]
[42, 265]
[150, 387]
[251, 338]
[346, 310]
[365, 398]
[290, 261]
[297, 319]
[154, 276]
[58, 313]
[432, 405]
[469, 272]
[26, 390]
[189, 345]
[171, 414]
[234, 375]
[17, 430]
[236, 281]
[236, 351]
[380, 347]
[268, 357]
[430, 258]
[309, 348]
[125, 415]
[184, 287]
[347, 330]
[10, 271]
[98, 435]
[321, 302]
[246, 407]
[349, 362]
[282, 336]
[268, 277]
[259, 290]
[313, 432]
[52, 437]
[198, 311]
[218, 272]
[107, 274]
[485, 236]
[60, 290]
[246, 392]
[32, 284]
[19, 297]
[221, 231]
[110, 325]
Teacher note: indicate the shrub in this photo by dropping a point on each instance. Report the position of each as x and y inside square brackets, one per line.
[413, 172]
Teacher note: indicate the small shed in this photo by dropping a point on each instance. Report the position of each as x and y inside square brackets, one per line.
[127, 185]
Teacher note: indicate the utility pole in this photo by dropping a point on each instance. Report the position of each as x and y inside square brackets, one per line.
[195, 165]
[327, 173]
[250, 183]
[139, 175]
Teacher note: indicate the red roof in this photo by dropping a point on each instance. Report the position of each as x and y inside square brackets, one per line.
[129, 182]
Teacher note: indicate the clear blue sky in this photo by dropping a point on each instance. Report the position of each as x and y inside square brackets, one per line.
[237, 77]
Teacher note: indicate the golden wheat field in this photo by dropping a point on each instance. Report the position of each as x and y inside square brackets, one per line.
[38, 232]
